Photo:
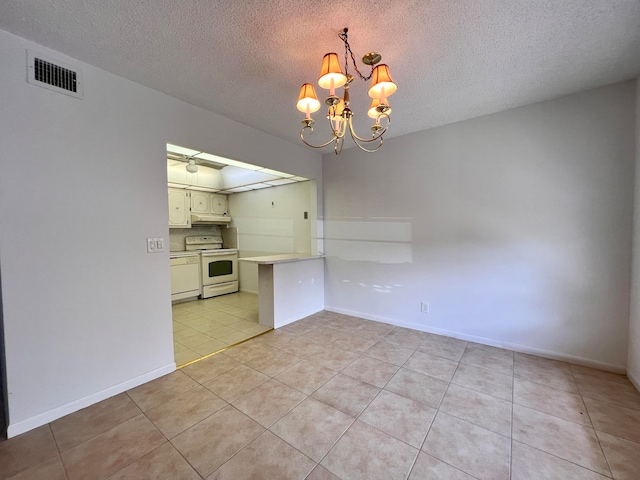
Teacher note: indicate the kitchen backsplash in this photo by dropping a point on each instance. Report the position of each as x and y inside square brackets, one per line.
[177, 235]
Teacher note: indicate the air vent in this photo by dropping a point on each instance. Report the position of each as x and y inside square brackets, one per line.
[49, 73]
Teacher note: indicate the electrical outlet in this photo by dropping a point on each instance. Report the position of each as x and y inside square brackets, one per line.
[424, 307]
[306, 215]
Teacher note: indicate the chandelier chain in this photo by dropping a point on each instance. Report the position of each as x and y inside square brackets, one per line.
[347, 49]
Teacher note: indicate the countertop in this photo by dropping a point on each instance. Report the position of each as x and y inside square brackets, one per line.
[281, 258]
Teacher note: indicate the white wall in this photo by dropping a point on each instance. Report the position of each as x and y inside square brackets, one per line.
[633, 362]
[272, 221]
[514, 227]
[82, 183]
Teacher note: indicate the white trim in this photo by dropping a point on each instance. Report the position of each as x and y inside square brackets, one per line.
[246, 290]
[585, 362]
[634, 380]
[58, 412]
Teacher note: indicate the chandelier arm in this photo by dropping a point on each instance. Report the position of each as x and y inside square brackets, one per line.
[375, 137]
[368, 150]
[310, 144]
[337, 150]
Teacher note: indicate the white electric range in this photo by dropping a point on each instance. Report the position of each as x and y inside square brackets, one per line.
[218, 266]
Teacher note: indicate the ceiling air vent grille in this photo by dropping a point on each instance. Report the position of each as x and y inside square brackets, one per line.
[48, 73]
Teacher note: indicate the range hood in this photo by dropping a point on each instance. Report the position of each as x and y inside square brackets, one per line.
[199, 219]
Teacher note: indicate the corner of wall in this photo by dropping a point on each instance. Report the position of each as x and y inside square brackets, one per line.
[633, 358]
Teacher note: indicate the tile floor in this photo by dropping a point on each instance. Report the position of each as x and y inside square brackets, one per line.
[202, 327]
[337, 397]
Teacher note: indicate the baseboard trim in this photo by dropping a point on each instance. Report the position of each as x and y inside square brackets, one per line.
[585, 362]
[244, 290]
[71, 407]
[634, 380]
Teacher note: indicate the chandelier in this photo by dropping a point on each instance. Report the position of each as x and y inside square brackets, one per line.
[339, 113]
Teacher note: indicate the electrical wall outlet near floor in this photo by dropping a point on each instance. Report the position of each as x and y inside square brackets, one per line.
[424, 307]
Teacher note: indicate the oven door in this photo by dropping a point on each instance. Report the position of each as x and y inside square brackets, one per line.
[219, 268]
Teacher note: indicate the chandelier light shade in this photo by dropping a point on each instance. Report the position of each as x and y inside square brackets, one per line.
[373, 108]
[191, 166]
[382, 85]
[339, 113]
[308, 100]
[331, 72]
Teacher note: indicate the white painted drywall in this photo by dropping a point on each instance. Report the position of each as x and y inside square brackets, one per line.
[633, 362]
[515, 228]
[86, 310]
[272, 221]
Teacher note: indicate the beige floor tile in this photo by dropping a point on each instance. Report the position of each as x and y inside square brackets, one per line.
[587, 372]
[441, 346]
[211, 367]
[248, 351]
[349, 395]
[273, 362]
[606, 391]
[300, 327]
[346, 323]
[163, 462]
[354, 343]
[389, 353]
[488, 357]
[405, 338]
[431, 365]
[184, 411]
[257, 329]
[475, 450]
[209, 347]
[179, 348]
[266, 458]
[27, 450]
[186, 357]
[371, 327]
[321, 473]
[324, 335]
[623, 456]
[364, 453]
[484, 381]
[550, 375]
[213, 441]
[277, 338]
[241, 325]
[614, 420]
[233, 384]
[112, 450]
[400, 417]
[478, 408]
[306, 376]
[417, 386]
[428, 467]
[531, 464]
[50, 470]
[553, 401]
[572, 442]
[185, 334]
[312, 427]
[84, 424]
[371, 370]
[301, 346]
[161, 389]
[333, 357]
[220, 331]
[234, 338]
[177, 327]
[269, 402]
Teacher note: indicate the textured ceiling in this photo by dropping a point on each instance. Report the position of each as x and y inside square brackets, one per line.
[246, 59]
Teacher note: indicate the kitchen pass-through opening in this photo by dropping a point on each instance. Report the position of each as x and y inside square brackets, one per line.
[220, 211]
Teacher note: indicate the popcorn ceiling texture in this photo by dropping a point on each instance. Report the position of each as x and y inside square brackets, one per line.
[246, 60]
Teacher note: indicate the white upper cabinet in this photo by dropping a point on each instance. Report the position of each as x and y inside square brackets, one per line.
[218, 204]
[205, 203]
[200, 202]
[179, 208]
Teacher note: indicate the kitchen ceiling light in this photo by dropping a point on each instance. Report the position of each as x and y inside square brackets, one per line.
[191, 166]
[339, 112]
